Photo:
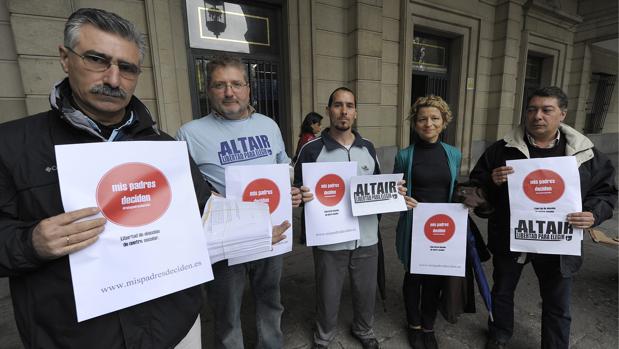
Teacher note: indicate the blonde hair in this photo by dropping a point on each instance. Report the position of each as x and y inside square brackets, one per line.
[431, 101]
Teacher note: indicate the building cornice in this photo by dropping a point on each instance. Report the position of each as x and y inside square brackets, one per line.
[553, 14]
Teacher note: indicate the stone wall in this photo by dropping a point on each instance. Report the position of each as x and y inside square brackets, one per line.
[12, 98]
[356, 44]
[37, 30]
[363, 44]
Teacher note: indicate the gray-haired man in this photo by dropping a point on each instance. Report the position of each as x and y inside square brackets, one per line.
[101, 55]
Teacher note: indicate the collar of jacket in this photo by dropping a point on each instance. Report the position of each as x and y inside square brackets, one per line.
[140, 119]
[332, 144]
[577, 144]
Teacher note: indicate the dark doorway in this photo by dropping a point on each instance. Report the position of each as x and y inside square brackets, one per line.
[599, 102]
[532, 81]
[431, 74]
[250, 30]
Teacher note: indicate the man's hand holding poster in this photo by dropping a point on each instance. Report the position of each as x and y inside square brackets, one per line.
[328, 218]
[153, 243]
[438, 244]
[542, 192]
[264, 183]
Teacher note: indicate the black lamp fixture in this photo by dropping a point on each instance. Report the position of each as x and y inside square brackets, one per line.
[215, 16]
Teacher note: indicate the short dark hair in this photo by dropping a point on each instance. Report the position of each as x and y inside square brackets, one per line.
[106, 21]
[223, 61]
[310, 119]
[341, 89]
[551, 91]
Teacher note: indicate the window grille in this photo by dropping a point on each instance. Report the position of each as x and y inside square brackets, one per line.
[597, 110]
[263, 78]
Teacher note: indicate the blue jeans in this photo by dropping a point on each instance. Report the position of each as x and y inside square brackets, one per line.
[225, 294]
[555, 291]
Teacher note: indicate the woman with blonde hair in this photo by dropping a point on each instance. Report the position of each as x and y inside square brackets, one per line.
[430, 169]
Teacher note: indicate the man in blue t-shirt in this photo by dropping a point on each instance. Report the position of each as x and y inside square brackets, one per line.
[235, 134]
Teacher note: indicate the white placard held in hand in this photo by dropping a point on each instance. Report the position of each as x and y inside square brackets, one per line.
[438, 244]
[235, 229]
[263, 183]
[542, 191]
[376, 194]
[328, 218]
[153, 243]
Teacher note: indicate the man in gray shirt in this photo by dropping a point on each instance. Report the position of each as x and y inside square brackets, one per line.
[235, 134]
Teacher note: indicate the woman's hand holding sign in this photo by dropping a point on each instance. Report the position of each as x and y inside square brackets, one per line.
[410, 202]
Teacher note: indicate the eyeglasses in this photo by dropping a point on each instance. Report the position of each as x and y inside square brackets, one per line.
[234, 85]
[97, 63]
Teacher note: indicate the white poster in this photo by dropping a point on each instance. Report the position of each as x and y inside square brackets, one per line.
[263, 183]
[328, 218]
[438, 244]
[376, 194]
[235, 228]
[153, 243]
[542, 192]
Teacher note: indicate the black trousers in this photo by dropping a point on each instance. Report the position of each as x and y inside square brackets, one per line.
[421, 298]
[555, 291]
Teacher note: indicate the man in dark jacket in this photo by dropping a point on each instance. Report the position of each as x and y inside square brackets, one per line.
[101, 55]
[543, 135]
[340, 142]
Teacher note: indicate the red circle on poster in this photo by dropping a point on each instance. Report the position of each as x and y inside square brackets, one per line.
[330, 189]
[439, 228]
[543, 186]
[133, 194]
[263, 190]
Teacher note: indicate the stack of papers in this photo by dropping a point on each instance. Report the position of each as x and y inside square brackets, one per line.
[236, 229]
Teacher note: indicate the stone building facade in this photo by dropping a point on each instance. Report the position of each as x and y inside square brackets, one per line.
[482, 55]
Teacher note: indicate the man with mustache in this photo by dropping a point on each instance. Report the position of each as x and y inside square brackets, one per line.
[543, 135]
[235, 134]
[101, 56]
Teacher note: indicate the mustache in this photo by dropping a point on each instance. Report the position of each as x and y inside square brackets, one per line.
[108, 90]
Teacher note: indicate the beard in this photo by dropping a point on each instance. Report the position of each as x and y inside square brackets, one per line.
[342, 126]
[230, 112]
[346, 127]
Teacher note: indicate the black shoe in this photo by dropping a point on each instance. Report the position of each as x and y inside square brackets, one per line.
[494, 344]
[367, 343]
[415, 338]
[429, 340]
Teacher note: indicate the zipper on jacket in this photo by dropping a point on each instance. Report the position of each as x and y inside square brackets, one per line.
[349, 160]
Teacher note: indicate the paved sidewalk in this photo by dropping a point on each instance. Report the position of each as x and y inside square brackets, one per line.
[594, 305]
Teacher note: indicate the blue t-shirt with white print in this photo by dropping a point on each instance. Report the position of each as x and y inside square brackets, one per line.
[216, 142]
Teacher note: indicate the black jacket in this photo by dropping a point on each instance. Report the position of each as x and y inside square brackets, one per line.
[42, 290]
[597, 185]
